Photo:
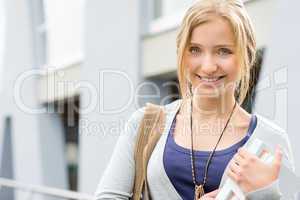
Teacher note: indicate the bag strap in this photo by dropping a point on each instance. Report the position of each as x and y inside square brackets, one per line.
[149, 132]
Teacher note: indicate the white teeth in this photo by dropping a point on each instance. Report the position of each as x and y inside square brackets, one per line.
[209, 79]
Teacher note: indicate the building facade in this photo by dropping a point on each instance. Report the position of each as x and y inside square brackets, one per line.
[73, 71]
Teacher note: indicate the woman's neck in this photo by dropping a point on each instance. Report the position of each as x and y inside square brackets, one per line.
[211, 108]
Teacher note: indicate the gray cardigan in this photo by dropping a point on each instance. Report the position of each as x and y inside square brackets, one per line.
[117, 180]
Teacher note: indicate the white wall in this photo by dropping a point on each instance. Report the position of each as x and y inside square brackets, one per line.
[36, 140]
[111, 43]
[2, 40]
[64, 31]
[278, 97]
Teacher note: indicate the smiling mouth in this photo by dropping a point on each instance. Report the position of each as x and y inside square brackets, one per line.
[211, 79]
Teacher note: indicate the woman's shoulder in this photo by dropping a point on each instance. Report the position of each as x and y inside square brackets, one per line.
[172, 106]
[270, 131]
[138, 114]
[270, 126]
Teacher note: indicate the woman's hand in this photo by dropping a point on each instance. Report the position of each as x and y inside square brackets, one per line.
[250, 173]
[210, 196]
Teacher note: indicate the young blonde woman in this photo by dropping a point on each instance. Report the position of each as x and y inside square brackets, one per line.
[202, 143]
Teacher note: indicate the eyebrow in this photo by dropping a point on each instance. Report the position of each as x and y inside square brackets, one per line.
[216, 46]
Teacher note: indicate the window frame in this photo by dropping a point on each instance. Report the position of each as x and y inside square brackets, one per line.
[167, 22]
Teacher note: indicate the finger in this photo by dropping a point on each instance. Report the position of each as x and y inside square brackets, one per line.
[264, 151]
[277, 158]
[233, 176]
[235, 168]
[242, 152]
[213, 193]
[246, 155]
[238, 159]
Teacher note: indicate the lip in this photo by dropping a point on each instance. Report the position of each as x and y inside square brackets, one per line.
[209, 81]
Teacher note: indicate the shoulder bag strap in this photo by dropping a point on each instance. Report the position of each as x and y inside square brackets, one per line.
[149, 132]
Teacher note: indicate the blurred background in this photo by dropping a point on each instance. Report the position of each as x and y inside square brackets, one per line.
[73, 71]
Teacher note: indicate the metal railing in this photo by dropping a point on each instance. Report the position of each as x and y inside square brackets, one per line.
[43, 190]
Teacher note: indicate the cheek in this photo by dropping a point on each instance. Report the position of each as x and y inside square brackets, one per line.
[192, 64]
[231, 68]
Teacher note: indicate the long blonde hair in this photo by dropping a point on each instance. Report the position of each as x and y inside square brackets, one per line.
[233, 11]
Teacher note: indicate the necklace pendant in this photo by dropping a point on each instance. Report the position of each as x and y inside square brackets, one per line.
[199, 192]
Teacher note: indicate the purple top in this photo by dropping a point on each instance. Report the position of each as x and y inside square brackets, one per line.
[177, 163]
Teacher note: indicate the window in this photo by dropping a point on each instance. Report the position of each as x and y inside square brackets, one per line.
[167, 14]
[169, 7]
[68, 109]
[64, 21]
[255, 71]
[157, 10]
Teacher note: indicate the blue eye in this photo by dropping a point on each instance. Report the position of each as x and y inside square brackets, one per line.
[194, 50]
[224, 52]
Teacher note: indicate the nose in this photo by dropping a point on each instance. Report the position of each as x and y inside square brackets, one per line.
[208, 64]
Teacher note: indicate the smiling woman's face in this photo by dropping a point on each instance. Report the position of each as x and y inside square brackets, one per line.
[211, 58]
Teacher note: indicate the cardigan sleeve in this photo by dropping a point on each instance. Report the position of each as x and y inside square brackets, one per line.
[117, 180]
[271, 192]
